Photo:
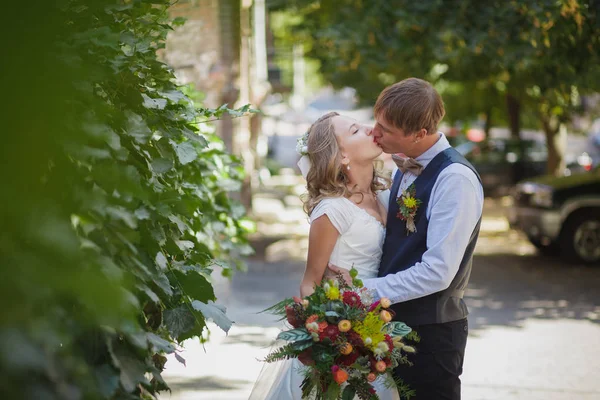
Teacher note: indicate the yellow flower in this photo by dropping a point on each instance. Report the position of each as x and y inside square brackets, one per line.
[344, 325]
[410, 202]
[333, 293]
[370, 328]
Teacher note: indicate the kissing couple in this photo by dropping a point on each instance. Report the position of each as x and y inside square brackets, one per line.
[410, 238]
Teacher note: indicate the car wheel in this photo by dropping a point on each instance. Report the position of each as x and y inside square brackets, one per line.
[550, 249]
[580, 238]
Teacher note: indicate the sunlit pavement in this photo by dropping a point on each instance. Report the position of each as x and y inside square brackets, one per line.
[534, 323]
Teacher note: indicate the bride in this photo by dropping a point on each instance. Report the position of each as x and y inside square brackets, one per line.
[347, 209]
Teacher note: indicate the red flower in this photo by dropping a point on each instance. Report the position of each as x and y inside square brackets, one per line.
[349, 359]
[354, 339]
[389, 341]
[292, 317]
[352, 299]
[331, 332]
[374, 305]
[306, 357]
[372, 390]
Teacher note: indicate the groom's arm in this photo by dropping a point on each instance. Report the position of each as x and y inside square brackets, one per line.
[454, 209]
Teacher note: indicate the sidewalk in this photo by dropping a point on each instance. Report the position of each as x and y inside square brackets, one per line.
[534, 325]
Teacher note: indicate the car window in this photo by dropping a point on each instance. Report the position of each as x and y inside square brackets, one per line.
[536, 151]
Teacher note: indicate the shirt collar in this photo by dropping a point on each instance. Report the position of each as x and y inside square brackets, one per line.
[439, 146]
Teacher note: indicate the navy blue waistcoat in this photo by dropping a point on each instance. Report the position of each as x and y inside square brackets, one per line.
[402, 251]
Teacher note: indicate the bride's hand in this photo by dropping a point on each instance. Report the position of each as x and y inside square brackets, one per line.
[332, 271]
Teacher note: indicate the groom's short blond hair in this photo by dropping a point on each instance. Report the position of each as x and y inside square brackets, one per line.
[411, 105]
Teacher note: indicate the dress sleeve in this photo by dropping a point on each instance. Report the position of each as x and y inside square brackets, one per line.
[337, 211]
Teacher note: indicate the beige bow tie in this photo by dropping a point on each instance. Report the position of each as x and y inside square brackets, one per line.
[407, 164]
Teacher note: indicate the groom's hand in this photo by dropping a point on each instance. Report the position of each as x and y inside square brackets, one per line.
[332, 271]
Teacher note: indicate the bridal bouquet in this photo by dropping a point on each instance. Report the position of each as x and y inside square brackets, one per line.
[344, 339]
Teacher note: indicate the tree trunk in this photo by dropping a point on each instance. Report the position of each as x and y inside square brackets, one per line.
[556, 135]
[488, 122]
[514, 113]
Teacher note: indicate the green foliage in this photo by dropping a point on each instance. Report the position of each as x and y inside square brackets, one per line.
[294, 335]
[115, 208]
[283, 353]
[544, 53]
[400, 329]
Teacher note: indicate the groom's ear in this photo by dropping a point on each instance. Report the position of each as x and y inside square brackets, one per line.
[420, 135]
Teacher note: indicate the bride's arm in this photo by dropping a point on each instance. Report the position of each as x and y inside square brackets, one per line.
[321, 241]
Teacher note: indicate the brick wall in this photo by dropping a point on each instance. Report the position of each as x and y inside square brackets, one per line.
[194, 49]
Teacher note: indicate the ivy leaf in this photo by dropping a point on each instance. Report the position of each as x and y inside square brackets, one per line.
[132, 370]
[142, 213]
[137, 128]
[163, 283]
[179, 21]
[180, 224]
[196, 137]
[160, 344]
[184, 245]
[162, 165]
[151, 295]
[122, 214]
[174, 95]
[214, 312]
[186, 152]
[107, 380]
[161, 260]
[157, 378]
[154, 104]
[294, 335]
[180, 359]
[194, 285]
[178, 320]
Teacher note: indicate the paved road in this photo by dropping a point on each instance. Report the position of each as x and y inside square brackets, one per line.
[534, 325]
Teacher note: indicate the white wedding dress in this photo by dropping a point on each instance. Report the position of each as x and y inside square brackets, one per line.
[360, 246]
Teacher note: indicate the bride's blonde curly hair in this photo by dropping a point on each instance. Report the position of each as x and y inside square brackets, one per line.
[326, 177]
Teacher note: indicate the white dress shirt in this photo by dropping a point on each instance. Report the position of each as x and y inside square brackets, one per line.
[455, 206]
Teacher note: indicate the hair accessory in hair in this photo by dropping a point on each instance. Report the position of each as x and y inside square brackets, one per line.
[304, 164]
[302, 145]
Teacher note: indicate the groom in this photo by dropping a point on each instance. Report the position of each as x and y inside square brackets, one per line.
[427, 259]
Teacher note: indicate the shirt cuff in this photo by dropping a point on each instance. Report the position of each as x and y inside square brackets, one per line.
[371, 284]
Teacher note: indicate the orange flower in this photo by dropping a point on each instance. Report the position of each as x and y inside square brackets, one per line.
[313, 326]
[380, 366]
[371, 377]
[346, 349]
[340, 376]
[322, 326]
[385, 316]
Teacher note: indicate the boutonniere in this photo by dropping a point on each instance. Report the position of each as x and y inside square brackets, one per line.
[408, 205]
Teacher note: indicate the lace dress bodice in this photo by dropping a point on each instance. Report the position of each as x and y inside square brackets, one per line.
[361, 234]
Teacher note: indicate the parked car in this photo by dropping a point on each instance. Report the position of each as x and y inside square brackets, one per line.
[502, 163]
[560, 215]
